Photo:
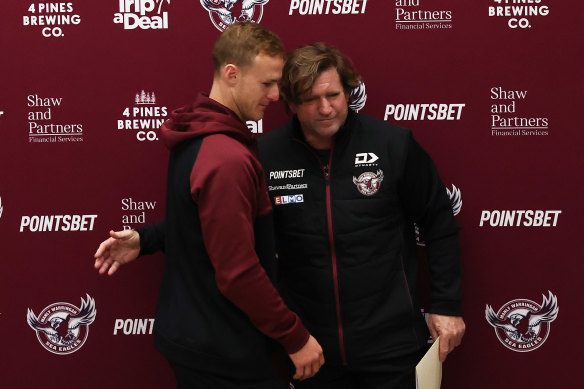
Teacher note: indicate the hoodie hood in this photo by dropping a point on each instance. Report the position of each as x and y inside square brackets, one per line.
[203, 117]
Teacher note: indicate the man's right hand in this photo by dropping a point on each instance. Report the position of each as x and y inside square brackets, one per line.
[122, 247]
[308, 359]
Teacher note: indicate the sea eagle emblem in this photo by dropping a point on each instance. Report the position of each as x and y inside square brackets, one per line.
[368, 183]
[222, 13]
[523, 325]
[62, 325]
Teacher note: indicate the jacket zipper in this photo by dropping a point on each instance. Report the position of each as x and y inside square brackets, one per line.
[326, 171]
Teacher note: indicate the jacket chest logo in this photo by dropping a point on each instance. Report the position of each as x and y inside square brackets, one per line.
[365, 159]
[369, 183]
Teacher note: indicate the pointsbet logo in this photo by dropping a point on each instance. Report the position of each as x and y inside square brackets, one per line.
[520, 218]
[133, 326]
[326, 7]
[431, 111]
[53, 223]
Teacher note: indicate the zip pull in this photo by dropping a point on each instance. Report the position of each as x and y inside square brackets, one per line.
[325, 169]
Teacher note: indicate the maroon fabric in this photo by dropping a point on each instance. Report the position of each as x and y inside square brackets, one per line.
[225, 165]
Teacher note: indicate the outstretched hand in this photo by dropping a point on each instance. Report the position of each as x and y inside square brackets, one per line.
[120, 248]
[308, 359]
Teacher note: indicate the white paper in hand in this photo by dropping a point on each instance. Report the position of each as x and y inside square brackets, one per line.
[429, 369]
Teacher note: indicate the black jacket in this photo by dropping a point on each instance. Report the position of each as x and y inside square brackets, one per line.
[346, 242]
[217, 308]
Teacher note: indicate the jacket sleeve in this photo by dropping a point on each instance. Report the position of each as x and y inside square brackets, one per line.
[428, 205]
[226, 186]
[152, 237]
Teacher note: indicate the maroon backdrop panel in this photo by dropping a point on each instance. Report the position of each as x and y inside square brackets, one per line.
[491, 88]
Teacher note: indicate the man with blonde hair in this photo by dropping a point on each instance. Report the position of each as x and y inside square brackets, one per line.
[346, 190]
[218, 313]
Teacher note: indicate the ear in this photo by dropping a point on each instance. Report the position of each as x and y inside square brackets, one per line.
[230, 73]
[292, 108]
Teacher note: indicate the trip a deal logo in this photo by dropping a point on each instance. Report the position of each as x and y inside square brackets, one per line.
[523, 325]
[143, 14]
[63, 328]
[224, 13]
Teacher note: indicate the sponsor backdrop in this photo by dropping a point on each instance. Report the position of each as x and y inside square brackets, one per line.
[491, 88]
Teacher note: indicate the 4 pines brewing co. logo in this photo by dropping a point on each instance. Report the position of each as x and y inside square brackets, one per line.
[224, 13]
[523, 325]
[62, 328]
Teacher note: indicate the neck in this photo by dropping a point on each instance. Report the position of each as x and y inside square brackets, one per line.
[221, 94]
[319, 143]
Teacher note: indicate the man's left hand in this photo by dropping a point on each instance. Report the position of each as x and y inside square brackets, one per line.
[450, 329]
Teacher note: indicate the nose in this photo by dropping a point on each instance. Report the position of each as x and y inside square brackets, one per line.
[324, 106]
[274, 93]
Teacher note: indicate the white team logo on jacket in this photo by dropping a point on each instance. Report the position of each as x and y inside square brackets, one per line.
[62, 328]
[523, 325]
[368, 183]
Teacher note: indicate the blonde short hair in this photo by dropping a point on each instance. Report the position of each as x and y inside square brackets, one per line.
[240, 43]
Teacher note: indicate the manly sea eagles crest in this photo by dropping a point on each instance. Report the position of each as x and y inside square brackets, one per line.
[368, 183]
[523, 325]
[222, 14]
[62, 328]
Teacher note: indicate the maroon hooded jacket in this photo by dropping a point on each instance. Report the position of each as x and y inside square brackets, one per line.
[218, 310]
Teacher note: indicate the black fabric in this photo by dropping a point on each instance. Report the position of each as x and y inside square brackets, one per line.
[370, 239]
[383, 374]
[189, 378]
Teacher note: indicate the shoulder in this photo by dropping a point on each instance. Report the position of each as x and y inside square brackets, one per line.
[282, 133]
[221, 152]
[384, 128]
[378, 132]
[275, 142]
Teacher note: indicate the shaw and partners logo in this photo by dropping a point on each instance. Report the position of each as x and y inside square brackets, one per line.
[62, 328]
[224, 13]
[523, 325]
[144, 14]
